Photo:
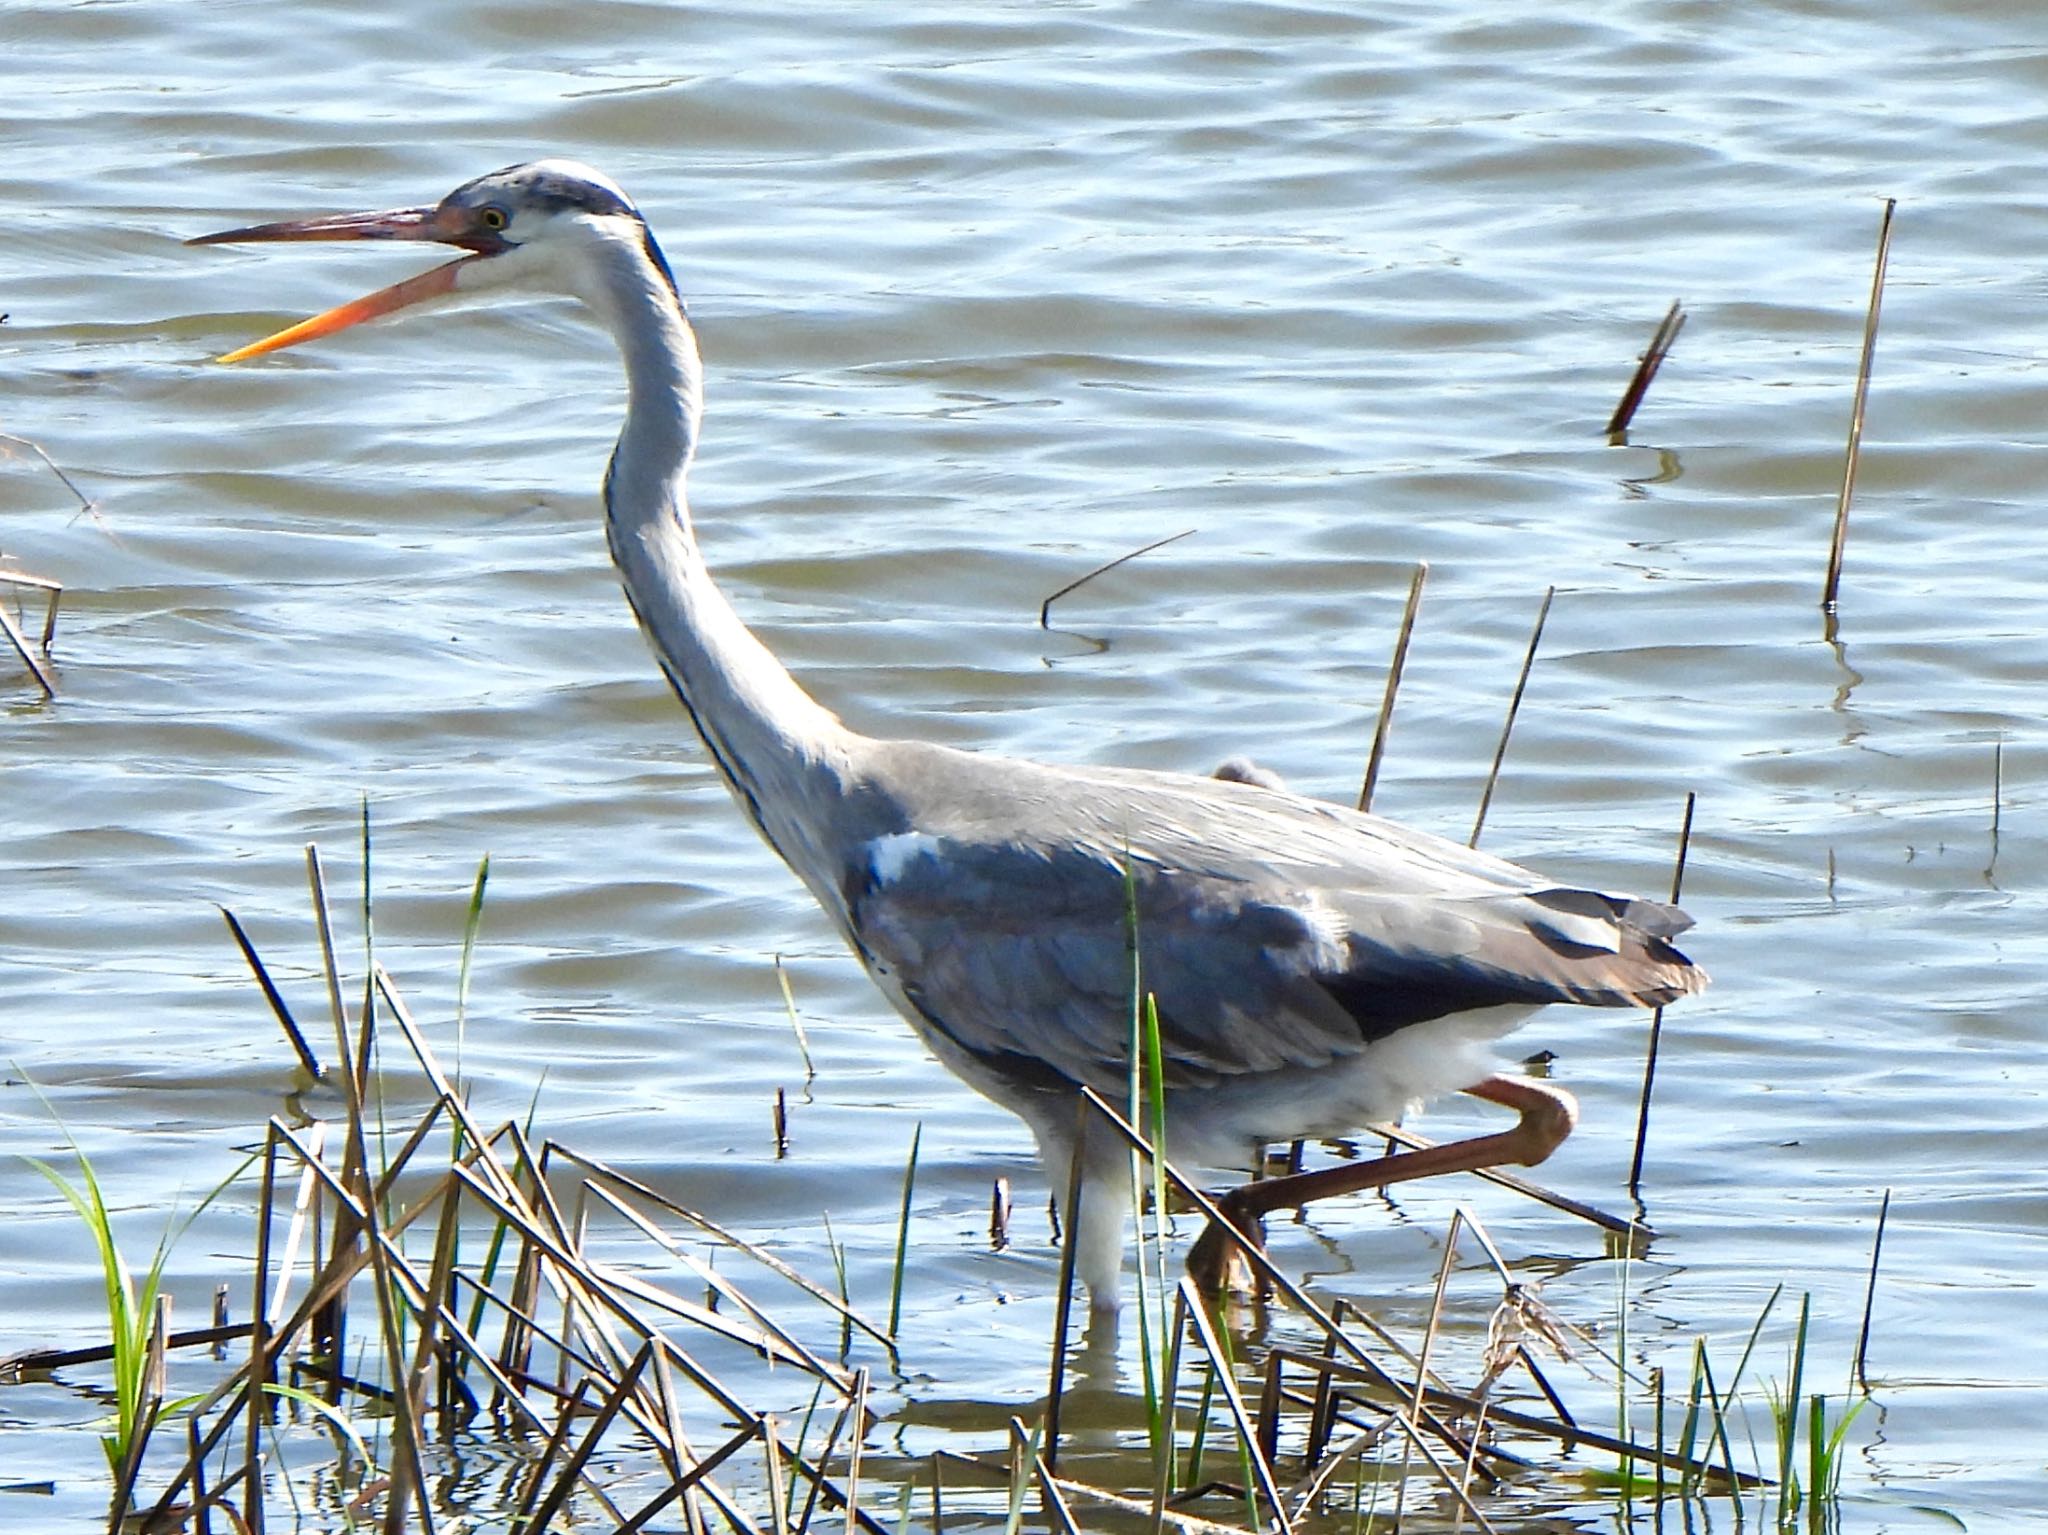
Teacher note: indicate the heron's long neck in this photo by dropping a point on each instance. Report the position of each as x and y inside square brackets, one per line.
[780, 752]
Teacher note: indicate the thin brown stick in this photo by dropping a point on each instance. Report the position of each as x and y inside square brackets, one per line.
[1386, 719]
[1870, 1295]
[1831, 589]
[1500, 751]
[1997, 802]
[21, 648]
[1060, 1516]
[760, 1255]
[999, 1214]
[1414, 1405]
[292, 1033]
[1063, 1317]
[1459, 1403]
[1045, 607]
[64, 1358]
[1661, 342]
[1219, 1361]
[54, 590]
[85, 502]
[1635, 1167]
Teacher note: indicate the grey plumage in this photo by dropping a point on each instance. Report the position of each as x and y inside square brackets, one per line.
[1314, 968]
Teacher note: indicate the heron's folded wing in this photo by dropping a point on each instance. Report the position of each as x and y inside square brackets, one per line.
[1026, 957]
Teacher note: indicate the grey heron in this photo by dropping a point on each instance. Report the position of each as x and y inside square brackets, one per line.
[1315, 969]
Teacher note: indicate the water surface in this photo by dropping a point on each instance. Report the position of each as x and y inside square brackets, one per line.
[987, 298]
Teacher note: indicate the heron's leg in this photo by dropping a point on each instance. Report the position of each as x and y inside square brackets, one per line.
[1548, 1114]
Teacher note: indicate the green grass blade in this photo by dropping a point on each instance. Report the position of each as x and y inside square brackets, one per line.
[903, 1230]
[472, 924]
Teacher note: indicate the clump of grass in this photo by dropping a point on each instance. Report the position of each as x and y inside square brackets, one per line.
[138, 1315]
[505, 1286]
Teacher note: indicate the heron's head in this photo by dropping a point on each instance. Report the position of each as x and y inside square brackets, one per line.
[549, 226]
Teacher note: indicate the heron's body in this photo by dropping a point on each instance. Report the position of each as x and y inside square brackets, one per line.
[1314, 968]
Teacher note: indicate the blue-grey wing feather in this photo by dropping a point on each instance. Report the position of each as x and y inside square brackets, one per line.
[1275, 932]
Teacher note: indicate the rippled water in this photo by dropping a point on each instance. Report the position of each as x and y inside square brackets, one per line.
[988, 298]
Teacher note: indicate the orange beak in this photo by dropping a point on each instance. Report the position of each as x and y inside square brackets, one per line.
[442, 226]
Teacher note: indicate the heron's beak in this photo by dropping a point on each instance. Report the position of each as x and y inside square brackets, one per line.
[441, 225]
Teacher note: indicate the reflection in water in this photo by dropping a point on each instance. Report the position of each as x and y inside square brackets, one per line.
[1848, 679]
[1100, 645]
[1669, 468]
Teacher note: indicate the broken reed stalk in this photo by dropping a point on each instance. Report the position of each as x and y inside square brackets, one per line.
[1635, 1166]
[1870, 1295]
[1500, 751]
[54, 589]
[85, 502]
[1386, 719]
[292, 1033]
[1831, 589]
[1564, 1429]
[1063, 1314]
[28, 657]
[1661, 342]
[1997, 802]
[1045, 607]
[999, 1214]
[796, 1023]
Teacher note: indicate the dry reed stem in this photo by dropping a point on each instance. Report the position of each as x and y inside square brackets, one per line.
[1386, 719]
[711, 1319]
[85, 503]
[1635, 1166]
[1063, 1311]
[28, 658]
[292, 1033]
[1500, 750]
[1045, 607]
[1233, 1400]
[431, 1300]
[1458, 1403]
[796, 1022]
[1831, 588]
[1661, 342]
[1870, 1294]
[739, 1244]
[1053, 1499]
[54, 589]
[1429, 1331]
[1184, 1524]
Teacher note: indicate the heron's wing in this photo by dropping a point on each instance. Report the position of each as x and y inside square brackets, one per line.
[1274, 932]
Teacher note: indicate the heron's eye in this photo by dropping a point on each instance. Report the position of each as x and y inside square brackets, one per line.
[493, 218]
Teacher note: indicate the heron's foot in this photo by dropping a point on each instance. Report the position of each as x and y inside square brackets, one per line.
[1217, 1261]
